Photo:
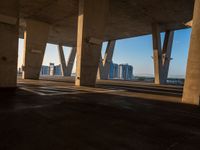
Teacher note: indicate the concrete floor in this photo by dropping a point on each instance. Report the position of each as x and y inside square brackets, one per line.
[49, 115]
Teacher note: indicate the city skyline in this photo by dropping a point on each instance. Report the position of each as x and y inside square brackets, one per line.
[134, 51]
[116, 71]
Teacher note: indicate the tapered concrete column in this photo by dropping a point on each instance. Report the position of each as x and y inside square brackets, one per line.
[62, 60]
[191, 91]
[161, 56]
[70, 61]
[66, 69]
[166, 54]
[35, 40]
[91, 28]
[157, 51]
[105, 67]
[8, 43]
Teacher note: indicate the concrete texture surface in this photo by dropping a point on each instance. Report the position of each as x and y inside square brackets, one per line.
[192, 83]
[91, 27]
[62, 60]
[104, 64]
[127, 18]
[9, 47]
[70, 61]
[161, 53]
[95, 120]
[35, 40]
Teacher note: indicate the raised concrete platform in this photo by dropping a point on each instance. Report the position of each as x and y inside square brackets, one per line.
[96, 118]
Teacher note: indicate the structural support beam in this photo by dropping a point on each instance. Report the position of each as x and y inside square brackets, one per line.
[191, 91]
[62, 60]
[157, 51]
[104, 67]
[70, 62]
[35, 40]
[166, 54]
[161, 56]
[66, 69]
[91, 28]
[8, 43]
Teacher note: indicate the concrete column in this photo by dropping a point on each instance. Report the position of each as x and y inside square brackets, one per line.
[166, 54]
[62, 60]
[157, 52]
[191, 91]
[35, 40]
[91, 27]
[100, 69]
[9, 43]
[104, 71]
[70, 61]
[161, 57]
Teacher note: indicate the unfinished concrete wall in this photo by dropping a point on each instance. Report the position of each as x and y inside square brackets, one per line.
[8, 43]
[35, 40]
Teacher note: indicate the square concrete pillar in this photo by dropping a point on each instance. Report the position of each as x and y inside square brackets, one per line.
[91, 27]
[35, 40]
[8, 43]
[191, 91]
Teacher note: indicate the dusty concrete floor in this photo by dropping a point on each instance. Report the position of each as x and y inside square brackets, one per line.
[108, 117]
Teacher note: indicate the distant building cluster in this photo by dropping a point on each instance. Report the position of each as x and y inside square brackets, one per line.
[121, 71]
[51, 70]
[117, 71]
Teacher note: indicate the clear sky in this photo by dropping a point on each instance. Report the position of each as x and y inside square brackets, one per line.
[134, 51]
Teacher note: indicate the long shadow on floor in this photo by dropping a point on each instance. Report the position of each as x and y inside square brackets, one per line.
[96, 121]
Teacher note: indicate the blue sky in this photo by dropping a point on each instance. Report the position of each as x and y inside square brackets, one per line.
[134, 51]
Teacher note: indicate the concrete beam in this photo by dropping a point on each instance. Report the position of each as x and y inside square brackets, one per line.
[8, 43]
[70, 62]
[191, 91]
[91, 28]
[62, 60]
[35, 40]
[104, 67]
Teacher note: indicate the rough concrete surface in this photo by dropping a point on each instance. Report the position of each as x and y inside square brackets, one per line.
[95, 120]
[127, 18]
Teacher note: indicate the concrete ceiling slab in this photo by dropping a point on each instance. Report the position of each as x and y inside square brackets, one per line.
[127, 18]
